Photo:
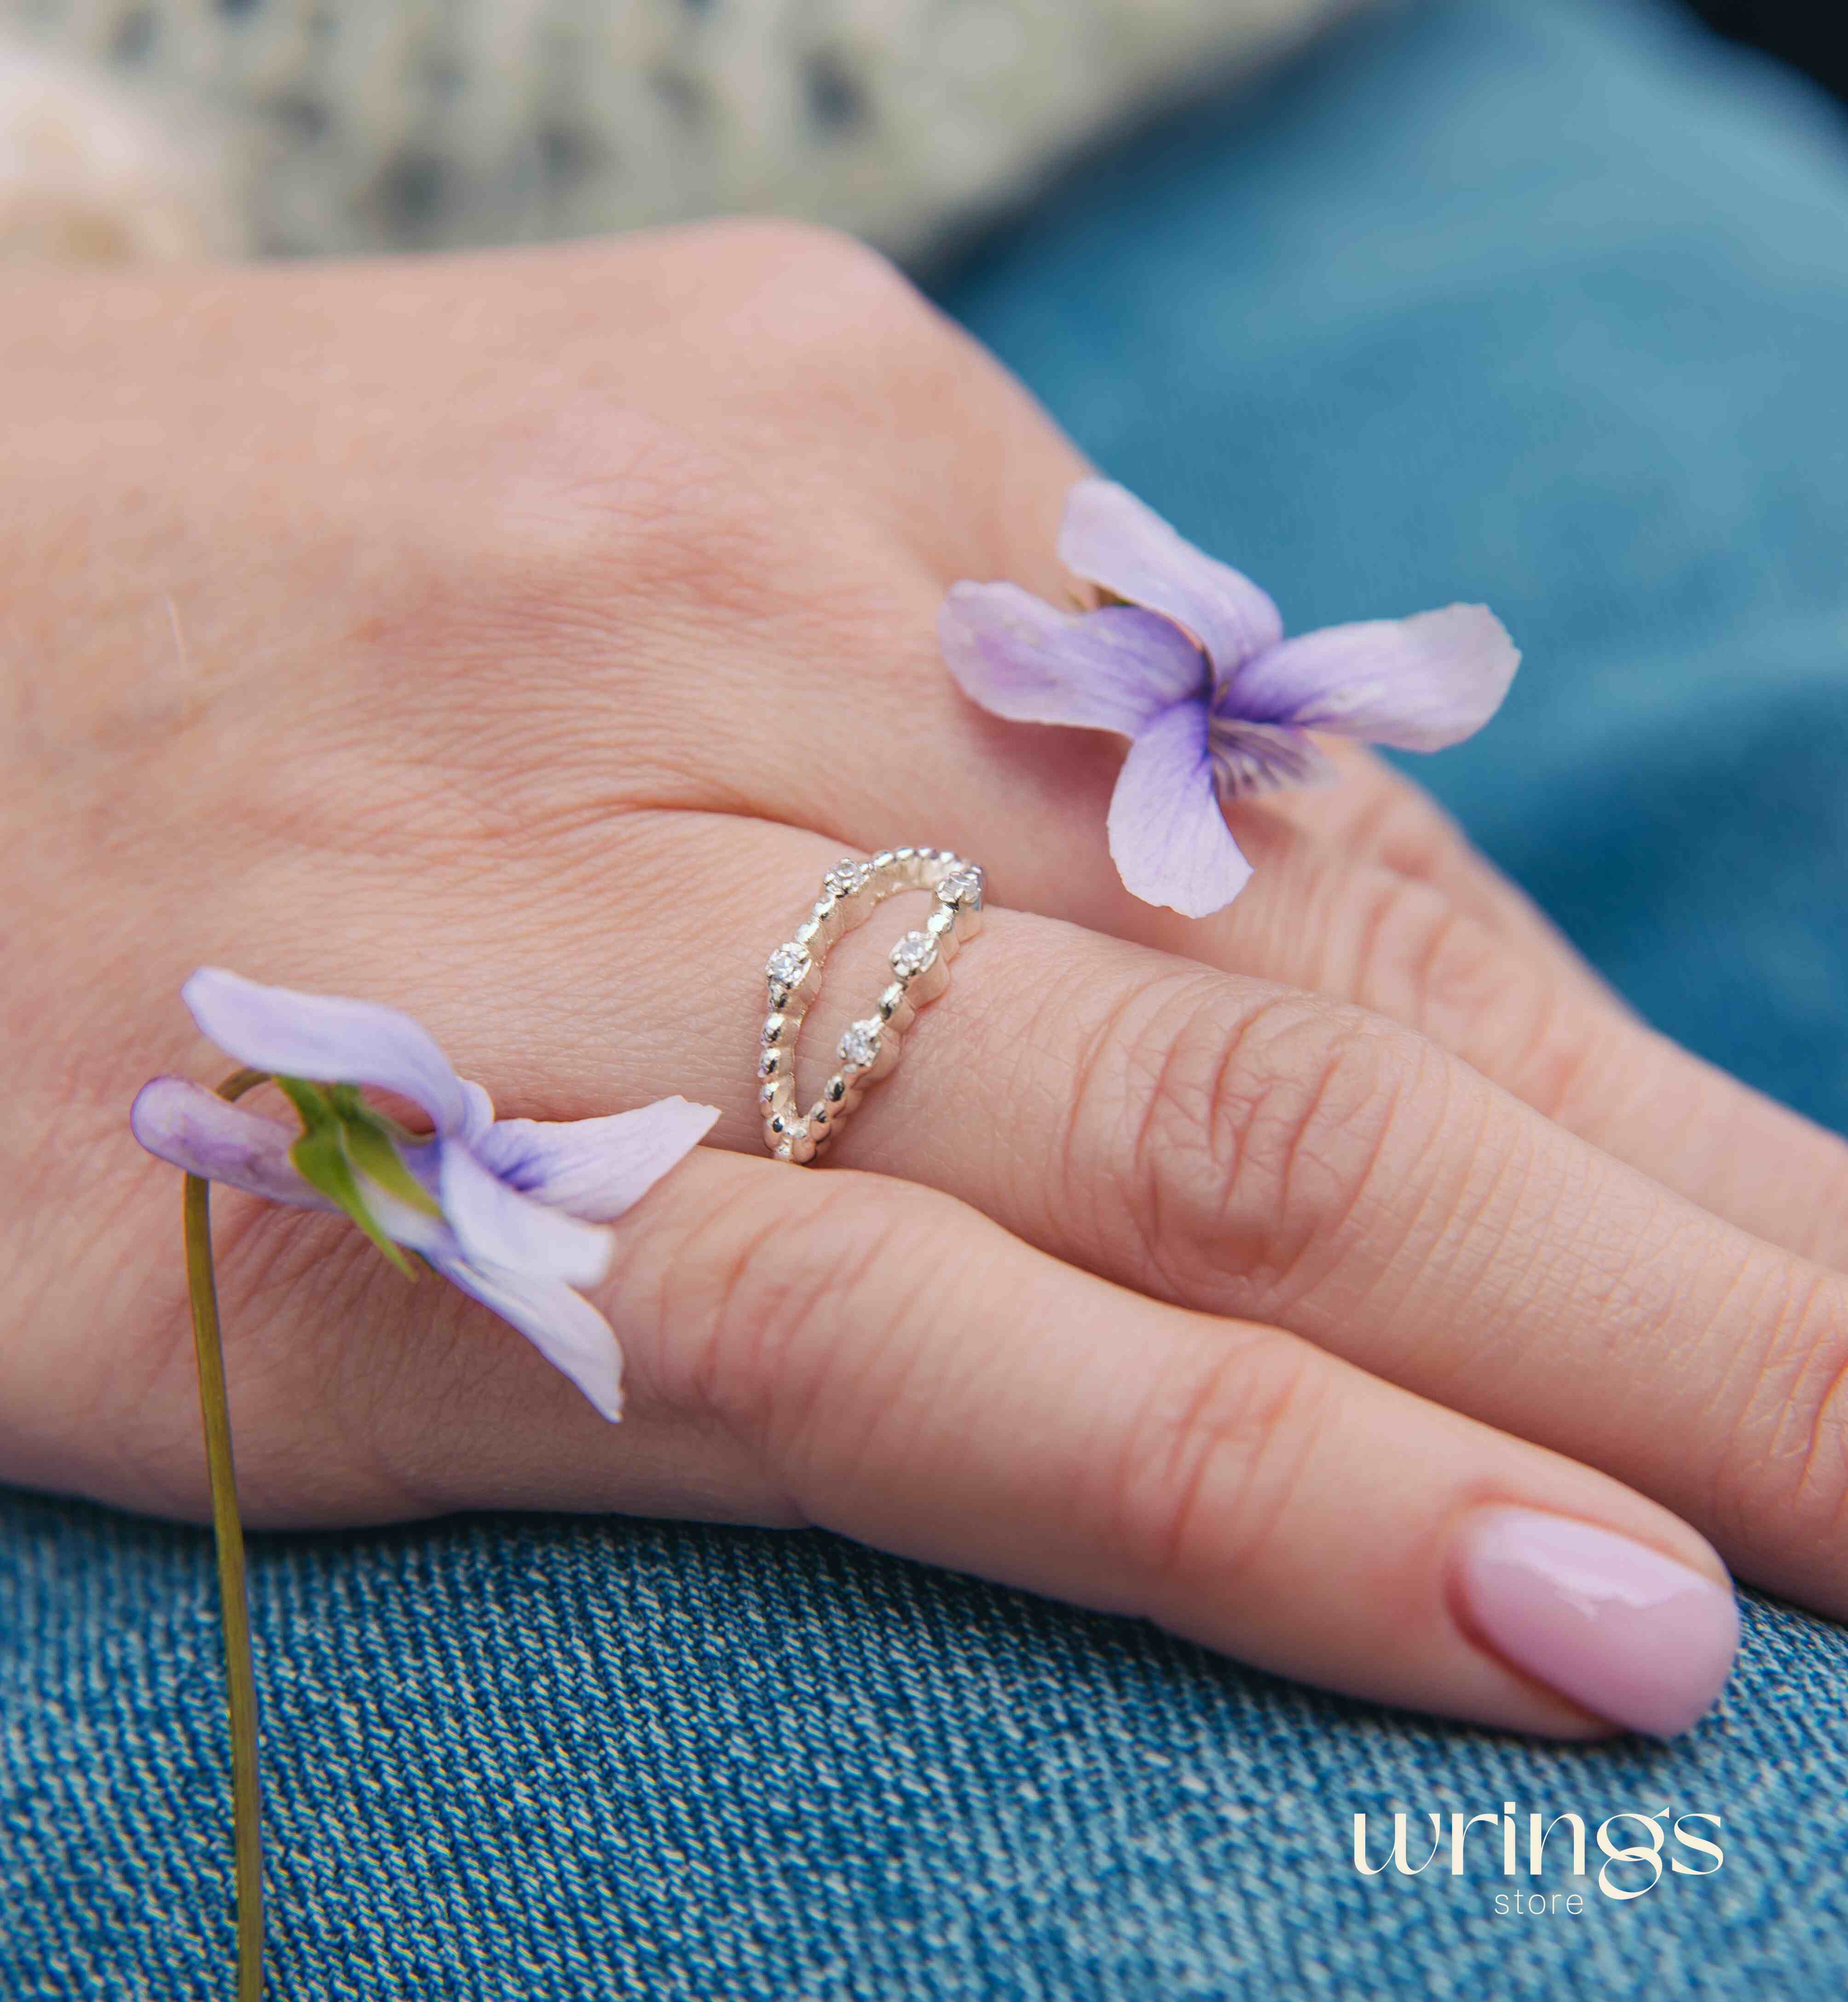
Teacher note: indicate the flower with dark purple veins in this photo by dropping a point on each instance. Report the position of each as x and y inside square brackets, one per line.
[1186, 659]
[515, 1212]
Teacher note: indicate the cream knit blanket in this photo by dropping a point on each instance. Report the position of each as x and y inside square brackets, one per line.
[292, 125]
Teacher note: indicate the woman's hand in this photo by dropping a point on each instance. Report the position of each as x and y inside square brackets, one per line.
[517, 639]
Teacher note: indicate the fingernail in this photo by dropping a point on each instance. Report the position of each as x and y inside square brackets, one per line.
[1624, 1631]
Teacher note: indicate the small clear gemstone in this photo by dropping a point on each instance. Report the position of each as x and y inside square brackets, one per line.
[913, 953]
[787, 964]
[963, 886]
[845, 877]
[859, 1046]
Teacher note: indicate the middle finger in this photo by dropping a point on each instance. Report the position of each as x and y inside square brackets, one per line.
[1398, 919]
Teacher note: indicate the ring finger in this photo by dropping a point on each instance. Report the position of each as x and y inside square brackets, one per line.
[1259, 1152]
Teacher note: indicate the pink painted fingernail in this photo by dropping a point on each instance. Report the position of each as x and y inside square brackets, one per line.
[1620, 1629]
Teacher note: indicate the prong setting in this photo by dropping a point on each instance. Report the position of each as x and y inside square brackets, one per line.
[870, 1046]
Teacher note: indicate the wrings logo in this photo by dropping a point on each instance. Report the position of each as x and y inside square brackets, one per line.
[1644, 1848]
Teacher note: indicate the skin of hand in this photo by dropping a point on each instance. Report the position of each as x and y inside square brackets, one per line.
[516, 639]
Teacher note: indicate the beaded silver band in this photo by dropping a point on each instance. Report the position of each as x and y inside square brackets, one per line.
[869, 1048]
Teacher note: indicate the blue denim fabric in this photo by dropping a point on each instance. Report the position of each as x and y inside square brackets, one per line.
[1546, 305]
[546, 1760]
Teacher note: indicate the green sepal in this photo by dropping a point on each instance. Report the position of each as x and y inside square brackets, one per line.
[375, 1155]
[321, 1158]
[310, 1100]
[373, 1142]
[346, 1100]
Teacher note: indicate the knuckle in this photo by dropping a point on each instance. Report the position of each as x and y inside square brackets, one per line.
[763, 1316]
[779, 247]
[822, 296]
[1213, 1458]
[856, 288]
[1795, 1492]
[1429, 964]
[1402, 830]
[1251, 1130]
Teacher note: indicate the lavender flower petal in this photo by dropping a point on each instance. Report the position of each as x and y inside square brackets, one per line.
[205, 1135]
[1167, 836]
[1113, 539]
[327, 1038]
[495, 1225]
[478, 1111]
[1419, 683]
[416, 1229]
[595, 1168]
[562, 1325]
[1251, 758]
[1018, 657]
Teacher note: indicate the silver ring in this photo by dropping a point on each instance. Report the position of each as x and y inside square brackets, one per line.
[869, 1048]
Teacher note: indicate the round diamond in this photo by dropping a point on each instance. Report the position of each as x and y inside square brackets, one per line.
[845, 877]
[859, 1046]
[962, 887]
[912, 953]
[788, 964]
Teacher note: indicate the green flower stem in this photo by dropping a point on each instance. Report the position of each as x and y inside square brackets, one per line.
[228, 1532]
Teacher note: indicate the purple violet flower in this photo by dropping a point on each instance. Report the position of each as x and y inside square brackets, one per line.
[515, 1212]
[1186, 659]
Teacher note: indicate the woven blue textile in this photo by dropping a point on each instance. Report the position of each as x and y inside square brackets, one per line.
[1542, 303]
[541, 1761]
